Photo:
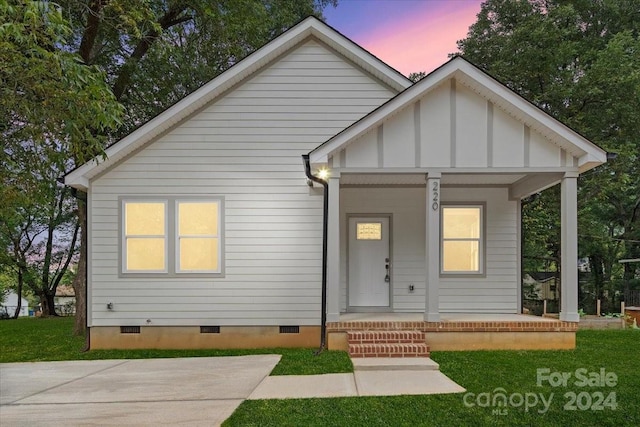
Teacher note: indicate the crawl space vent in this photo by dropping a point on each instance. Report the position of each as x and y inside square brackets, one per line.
[129, 329]
[289, 329]
[209, 329]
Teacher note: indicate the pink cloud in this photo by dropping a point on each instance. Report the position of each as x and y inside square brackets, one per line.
[422, 40]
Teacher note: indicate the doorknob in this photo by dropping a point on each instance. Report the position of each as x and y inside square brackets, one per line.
[387, 278]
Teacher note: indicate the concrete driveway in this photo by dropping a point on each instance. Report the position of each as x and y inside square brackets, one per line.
[190, 391]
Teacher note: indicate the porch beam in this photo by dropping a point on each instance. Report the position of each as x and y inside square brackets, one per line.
[533, 184]
[432, 248]
[333, 250]
[569, 248]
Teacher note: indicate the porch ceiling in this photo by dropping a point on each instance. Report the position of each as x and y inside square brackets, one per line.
[419, 179]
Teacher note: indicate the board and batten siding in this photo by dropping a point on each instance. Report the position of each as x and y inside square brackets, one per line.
[496, 292]
[246, 147]
[452, 126]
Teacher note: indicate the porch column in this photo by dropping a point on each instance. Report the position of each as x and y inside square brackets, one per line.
[333, 251]
[569, 248]
[432, 249]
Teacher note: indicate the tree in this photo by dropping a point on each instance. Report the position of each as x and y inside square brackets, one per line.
[579, 61]
[150, 55]
[49, 103]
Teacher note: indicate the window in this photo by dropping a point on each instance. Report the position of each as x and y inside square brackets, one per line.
[145, 236]
[198, 238]
[188, 229]
[462, 239]
[369, 231]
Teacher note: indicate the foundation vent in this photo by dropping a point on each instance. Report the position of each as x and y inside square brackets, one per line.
[209, 329]
[289, 329]
[129, 329]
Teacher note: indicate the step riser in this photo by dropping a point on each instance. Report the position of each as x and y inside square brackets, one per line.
[389, 343]
[388, 350]
[386, 337]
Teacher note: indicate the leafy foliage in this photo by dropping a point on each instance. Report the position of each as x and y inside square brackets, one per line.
[155, 53]
[579, 61]
[53, 108]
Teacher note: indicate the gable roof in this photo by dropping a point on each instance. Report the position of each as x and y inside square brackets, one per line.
[310, 27]
[589, 155]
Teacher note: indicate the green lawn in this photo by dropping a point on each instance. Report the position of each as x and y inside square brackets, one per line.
[37, 340]
[479, 372]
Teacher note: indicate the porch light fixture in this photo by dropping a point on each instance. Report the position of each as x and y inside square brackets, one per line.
[323, 174]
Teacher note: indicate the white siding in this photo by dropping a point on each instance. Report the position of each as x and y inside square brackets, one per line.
[458, 128]
[245, 147]
[399, 139]
[495, 293]
[498, 291]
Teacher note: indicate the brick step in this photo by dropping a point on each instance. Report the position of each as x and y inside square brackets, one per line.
[385, 337]
[389, 350]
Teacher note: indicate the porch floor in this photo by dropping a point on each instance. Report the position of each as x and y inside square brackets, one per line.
[444, 317]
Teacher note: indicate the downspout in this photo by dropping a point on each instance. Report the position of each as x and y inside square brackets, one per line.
[325, 222]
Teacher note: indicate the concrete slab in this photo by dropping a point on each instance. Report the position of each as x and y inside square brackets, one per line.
[21, 380]
[194, 391]
[444, 317]
[177, 412]
[394, 364]
[166, 379]
[393, 383]
[305, 386]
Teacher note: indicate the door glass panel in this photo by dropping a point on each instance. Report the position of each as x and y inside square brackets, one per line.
[369, 231]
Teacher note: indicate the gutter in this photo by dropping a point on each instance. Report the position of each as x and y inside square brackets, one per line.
[325, 219]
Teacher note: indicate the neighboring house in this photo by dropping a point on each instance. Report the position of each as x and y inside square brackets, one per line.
[65, 300]
[10, 303]
[204, 231]
[541, 285]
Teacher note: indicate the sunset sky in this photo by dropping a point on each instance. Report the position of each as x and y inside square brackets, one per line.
[409, 35]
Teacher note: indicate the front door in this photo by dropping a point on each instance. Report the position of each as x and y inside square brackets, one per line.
[369, 262]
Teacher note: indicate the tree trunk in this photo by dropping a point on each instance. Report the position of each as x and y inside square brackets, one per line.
[48, 304]
[80, 281]
[19, 292]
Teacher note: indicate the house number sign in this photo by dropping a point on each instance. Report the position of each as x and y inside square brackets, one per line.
[436, 196]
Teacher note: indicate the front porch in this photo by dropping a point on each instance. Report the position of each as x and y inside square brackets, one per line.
[454, 331]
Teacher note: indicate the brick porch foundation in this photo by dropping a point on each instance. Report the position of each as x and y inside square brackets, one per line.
[464, 335]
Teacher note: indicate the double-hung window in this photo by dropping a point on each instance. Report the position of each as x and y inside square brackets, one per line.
[145, 236]
[172, 236]
[198, 246]
[462, 239]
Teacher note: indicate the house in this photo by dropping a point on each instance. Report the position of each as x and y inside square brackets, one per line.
[9, 304]
[542, 285]
[205, 232]
[65, 300]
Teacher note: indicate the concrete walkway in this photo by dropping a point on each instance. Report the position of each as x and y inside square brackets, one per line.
[189, 391]
[371, 377]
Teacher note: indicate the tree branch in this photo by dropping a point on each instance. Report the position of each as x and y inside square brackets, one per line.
[171, 17]
[91, 30]
[60, 273]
